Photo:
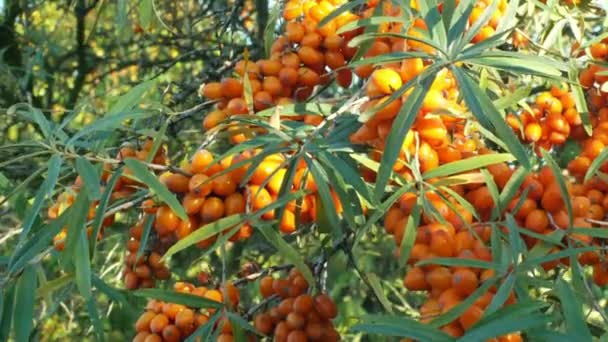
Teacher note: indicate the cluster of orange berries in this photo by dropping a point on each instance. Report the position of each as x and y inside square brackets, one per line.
[301, 59]
[429, 138]
[538, 206]
[550, 120]
[170, 322]
[299, 317]
[207, 193]
[143, 272]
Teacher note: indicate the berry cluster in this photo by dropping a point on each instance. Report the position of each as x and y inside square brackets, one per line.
[299, 317]
[170, 322]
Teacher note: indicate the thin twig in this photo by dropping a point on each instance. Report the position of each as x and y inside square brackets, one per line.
[249, 314]
[256, 275]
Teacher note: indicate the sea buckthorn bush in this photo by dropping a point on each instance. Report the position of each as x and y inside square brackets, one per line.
[421, 170]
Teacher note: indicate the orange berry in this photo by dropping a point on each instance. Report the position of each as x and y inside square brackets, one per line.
[464, 281]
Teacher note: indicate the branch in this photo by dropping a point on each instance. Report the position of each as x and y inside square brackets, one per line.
[81, 49]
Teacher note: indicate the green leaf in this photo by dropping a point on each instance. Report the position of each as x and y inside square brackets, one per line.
[508, 18]
[468, 164]
[516, 317]
[403, 122]
[143, 242]
[269, 29]
[482, 107]
[108, 122]
[513, 98]
[328, 212]
[348, 6]
[89, 177]
[377, 288]
[460, 20]
[131, 99]
[579, 98]
[596, 164]
[474, 29]
[461, 307]
[82, 265]
[502, 294]
[375, 20]
[46, 189]
[517, 63]
[204, 332]
[400, 326]
[112, 293]
[409, 235]
[32, 114]
[94, 315]
[287, 251]
[561, 182]
[122, 14]
[205, 232]
[178, 298]
[146, 12]
[350, 174]
[23, 313]
[158, 141]
[6, 317]
[511, 189]
[535, 262]
[101, 208]
[369, 30]
[36, 244]
[436, 27]
[145, 176]
[239, 321]
[76, 225]
[600, 233]
[460, 262]
[51, 286]
[572, 310]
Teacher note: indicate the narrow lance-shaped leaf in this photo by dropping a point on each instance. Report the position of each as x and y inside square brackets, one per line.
[89, 177]
[205, 232]
[461, 307]
[482, 107]
[329, 208]
[559, 178]
[23, 315]
[468, 164]
[572, 310]
[158, 141]
[287, 251]
[178, 298]
[348, 6]
[400, 326]
[378, 291]
[143, 242]
[502, 294]
[108, 122]
[44, 191]
[6, 319]
[516, 317]
[132, 98]
[76, 225]
[409, 235]
[143, 174]
[474, 29]
[596, 164]
[101, 208]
